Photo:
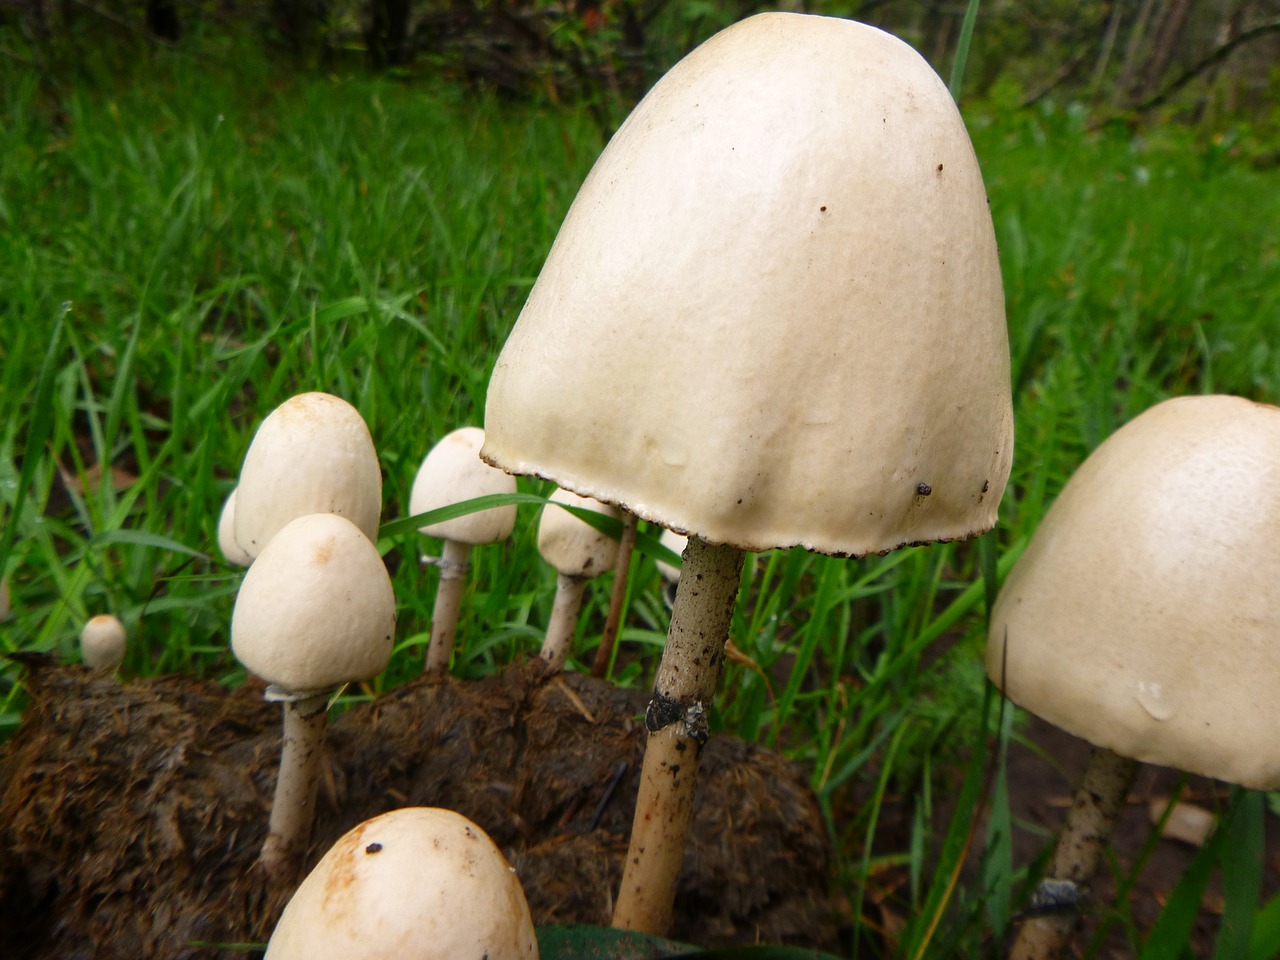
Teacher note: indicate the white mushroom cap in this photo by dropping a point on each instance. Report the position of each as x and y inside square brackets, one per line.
[418, 883]
[1144, 614]
[227, 542]
[316, 609]
[572, 546]
[774, 315]
[452, 472]
[312, 454]
[102, 642]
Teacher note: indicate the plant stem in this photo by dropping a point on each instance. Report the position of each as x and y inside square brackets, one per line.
[621, 574]
[293, 808]
[564, 617]
[1075, 860]
[688, 676]
[454, 566]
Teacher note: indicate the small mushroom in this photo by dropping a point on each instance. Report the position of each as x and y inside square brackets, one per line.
[579, 552]
[670, 575]
[451, 473]
[312, 454]
[1143, 617]
[315, 611]
[820, 360]
[102, 642]
[419, 883]
[227, 542]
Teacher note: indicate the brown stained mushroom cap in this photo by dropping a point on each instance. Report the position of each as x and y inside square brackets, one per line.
[572, 546]
[102, 642]
[1144, 615]
[452, 472]
[312, 454]
[774, 314]
[316, 609]
[418, 883]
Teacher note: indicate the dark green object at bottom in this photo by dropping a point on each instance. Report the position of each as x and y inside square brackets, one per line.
[606, 943]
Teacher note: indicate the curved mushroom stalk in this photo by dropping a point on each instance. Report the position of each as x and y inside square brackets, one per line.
[454, 565]
[1077, 856]
[293, 808]
[688, 677]
[564, 619]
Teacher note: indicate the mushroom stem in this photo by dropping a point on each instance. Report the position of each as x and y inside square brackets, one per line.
[564, 618]
[293, 808]
[688, 676]
[1048, 932]
[454, 564]
[621, 574]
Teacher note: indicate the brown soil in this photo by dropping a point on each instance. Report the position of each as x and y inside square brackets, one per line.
[132, 814]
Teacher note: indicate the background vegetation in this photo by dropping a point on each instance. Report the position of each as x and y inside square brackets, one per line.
[193, 228]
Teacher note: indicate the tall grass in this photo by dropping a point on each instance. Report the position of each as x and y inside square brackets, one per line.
[180, 252]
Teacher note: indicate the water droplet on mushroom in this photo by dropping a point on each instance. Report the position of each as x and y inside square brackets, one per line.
[1155, 699]
[674, 456]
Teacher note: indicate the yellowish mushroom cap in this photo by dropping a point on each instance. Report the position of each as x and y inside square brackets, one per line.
[1144, 615]
[453, 472]
[418, 883]
[316, 609]
[573, 546]
[102, 642]
[312, 454]
[774, 314]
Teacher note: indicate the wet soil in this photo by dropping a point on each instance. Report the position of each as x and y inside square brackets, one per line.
[132, 813]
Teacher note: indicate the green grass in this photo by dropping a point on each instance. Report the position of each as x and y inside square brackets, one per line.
[182, 250]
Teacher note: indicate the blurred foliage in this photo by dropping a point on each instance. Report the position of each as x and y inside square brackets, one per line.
[1197, 62]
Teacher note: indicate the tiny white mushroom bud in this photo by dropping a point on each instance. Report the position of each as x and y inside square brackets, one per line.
[102, 642]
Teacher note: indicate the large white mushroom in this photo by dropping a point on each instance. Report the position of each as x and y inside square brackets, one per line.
[578, 552]
[1143, 617]
[312, 454]
[419, 883]
[315, 611]
[450, 473]
[772, 317]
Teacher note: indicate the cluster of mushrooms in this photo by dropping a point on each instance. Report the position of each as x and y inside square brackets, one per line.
[788, 246]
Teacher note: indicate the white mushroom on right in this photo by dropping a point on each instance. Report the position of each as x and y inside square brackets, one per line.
[418, 883]
[772, 317]
[1144, 617]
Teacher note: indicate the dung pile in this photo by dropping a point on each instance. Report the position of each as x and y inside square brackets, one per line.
[132, 814]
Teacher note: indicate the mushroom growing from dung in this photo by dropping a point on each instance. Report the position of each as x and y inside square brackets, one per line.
[102, 642]
[418, 883]
[315, 612]
[312, 454]
[772, 317]
[578, 552]
[1143, 617]
[451, 473]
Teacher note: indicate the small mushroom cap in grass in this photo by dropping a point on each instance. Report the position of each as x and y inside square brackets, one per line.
[452, 472]
[227, 543]
[102, 642]
[774, 315]
[571, 545]
[1144, 615]
[316, 609]
[312, 454]
[419, 883]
